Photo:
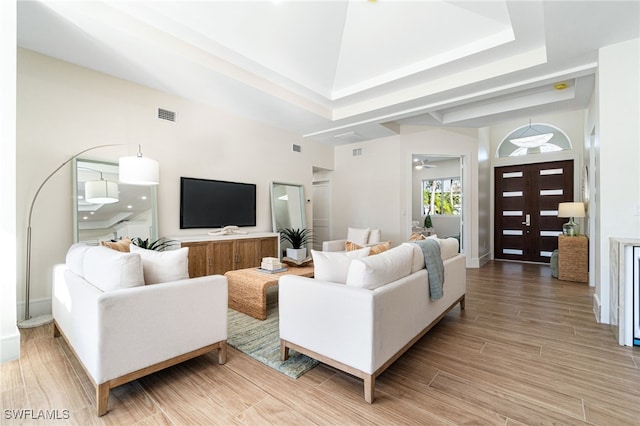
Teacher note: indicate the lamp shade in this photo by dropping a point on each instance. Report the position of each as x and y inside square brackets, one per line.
[138, 170]
[571, 209]
[101, 192]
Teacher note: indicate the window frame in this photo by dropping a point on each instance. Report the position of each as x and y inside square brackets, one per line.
[457, 207]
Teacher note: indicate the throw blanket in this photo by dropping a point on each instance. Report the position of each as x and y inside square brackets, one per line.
[435, 267]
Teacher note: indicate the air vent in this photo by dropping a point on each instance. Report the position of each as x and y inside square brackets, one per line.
[165, 114]
[357, 152]
[297, 148]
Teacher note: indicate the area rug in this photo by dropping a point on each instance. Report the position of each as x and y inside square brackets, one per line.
[261, 339]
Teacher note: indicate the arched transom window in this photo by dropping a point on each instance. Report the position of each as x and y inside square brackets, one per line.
[533, 139]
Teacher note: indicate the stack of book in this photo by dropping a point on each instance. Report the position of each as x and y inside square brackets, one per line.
[271, 264]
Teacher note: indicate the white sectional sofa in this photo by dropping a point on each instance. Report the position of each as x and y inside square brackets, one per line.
[121, 329]
[360, 330]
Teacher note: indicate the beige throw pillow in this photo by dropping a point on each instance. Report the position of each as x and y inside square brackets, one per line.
[122, 245]
[375, 248]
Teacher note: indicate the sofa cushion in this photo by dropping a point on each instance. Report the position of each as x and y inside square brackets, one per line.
[359, 236]
[163, 266]
[122, 245]
[333, 266]
[375, 271]
[417, 259]
[109, 269]
[75, 258]
[375, 248]
[448, 247]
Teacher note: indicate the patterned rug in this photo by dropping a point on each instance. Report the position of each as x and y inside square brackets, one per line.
[261, 339]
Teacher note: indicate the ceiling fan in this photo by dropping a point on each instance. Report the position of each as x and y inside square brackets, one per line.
[419, 164]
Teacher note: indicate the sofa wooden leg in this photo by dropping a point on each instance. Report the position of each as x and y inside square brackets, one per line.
[284, 351]
[56, 330]
[462, 303]
[369, 388]
[102, 398]
[222, 352]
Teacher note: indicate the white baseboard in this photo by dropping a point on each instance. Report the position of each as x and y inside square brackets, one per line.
[38, 307]
[10, 346]
[597, 308]
[478, 262]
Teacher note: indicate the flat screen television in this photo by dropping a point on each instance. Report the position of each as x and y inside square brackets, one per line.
[208, 203]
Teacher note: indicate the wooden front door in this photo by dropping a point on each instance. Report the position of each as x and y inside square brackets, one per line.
[526, 209]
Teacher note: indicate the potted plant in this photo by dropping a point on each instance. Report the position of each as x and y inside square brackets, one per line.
[298, 238]
[427, 222]
[160, 244]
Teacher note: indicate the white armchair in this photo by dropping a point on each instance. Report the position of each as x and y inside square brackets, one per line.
[361, 236]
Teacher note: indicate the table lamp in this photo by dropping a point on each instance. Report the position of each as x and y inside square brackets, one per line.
[571, 210]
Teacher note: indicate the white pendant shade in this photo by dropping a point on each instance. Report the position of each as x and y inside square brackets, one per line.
[532, 141]
[101, 192]
[138, 170]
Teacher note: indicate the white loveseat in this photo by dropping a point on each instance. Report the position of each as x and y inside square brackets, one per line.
[121, 329]
[362, 331]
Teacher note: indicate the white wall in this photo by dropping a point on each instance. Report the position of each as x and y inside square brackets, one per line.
[617, 156]
[483, 221]
[374, 189]
[63, 109]
[9, 334]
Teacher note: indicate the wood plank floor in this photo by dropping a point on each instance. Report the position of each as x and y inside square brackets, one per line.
[526, 350]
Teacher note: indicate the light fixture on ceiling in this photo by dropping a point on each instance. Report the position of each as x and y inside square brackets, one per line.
[531, 139]
[419, 164]
[136, 170]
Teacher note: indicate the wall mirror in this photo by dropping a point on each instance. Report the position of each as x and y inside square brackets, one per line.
[287, 206]
[105, 209]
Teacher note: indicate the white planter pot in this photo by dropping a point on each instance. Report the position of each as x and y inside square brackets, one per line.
[297, 254]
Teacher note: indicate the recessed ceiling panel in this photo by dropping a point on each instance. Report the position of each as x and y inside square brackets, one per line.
[385, 41]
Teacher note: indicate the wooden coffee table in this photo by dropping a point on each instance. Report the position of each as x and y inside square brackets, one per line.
[248, 288]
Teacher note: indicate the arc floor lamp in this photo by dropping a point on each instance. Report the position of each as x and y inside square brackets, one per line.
[134, 170]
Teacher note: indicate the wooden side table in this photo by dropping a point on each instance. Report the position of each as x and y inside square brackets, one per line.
[573, 258]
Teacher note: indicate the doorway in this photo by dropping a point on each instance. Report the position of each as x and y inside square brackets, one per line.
[526, 209]
[437, 190]
[321, 193]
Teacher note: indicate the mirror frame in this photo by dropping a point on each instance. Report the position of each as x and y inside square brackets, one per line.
[303, 213]
[153, 232]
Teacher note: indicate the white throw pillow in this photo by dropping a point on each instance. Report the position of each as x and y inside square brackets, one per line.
[358, 236]
[375, 236]
[75, 258]
[163, 266]
[375, 271]
[109, 269]
[333, 266]
[417, 260]
[448, 247]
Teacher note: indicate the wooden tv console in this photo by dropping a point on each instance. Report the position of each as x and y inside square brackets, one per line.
[209, 255]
